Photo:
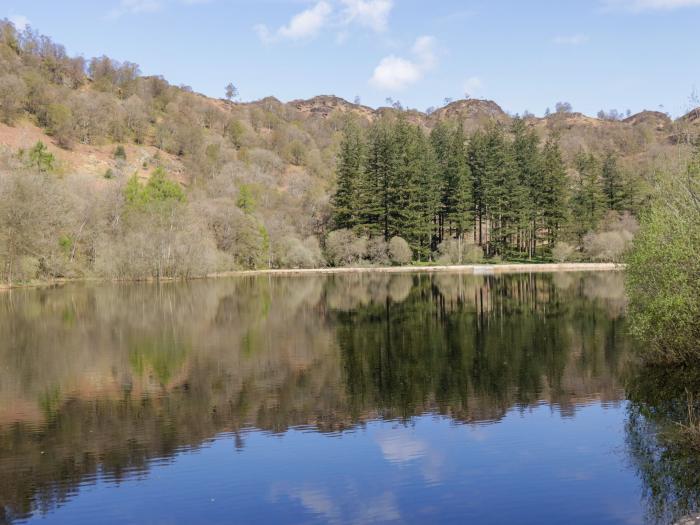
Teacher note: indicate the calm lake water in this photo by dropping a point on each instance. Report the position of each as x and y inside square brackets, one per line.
[331, 399]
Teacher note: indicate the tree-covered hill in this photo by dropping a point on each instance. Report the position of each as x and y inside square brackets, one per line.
[257, 179]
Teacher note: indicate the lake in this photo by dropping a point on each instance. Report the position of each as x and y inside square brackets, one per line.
[365, 398]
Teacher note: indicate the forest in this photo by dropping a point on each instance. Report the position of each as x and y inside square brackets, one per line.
[108, 173]
[459, 198]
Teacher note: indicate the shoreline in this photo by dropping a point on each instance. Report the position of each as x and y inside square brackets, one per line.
[474, 269]
[469, 269]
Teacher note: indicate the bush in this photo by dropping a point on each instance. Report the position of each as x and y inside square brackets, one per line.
[611, 244]
[120, 152]
[563, 252]
[399, 251]
[663, 269]
[453, 251]
[344, 248]
[378, 251]
[12, 94]
[294, 253]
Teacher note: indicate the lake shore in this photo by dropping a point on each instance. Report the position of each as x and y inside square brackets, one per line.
[474, 269]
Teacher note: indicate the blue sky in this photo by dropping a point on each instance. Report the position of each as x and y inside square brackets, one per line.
[524, 54]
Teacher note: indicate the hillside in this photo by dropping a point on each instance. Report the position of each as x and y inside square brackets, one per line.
[258, 177]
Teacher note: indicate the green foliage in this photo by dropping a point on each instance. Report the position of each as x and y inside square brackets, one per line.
[246, 200]
[120, 152]
[40, 158]
[158, 190]
[588, 199]
[663, 273]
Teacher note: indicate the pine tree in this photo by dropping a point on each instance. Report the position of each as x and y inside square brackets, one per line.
[457, 200]
[613, 183]
[554, 196]
[346, 200]
[440, 143]
[500, 188]
[529, 195]
[588, 199]
[421, 194]
[376, 186]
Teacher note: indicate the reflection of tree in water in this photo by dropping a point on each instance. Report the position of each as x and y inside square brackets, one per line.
[104, 379]
[473, 347]
[666, 463]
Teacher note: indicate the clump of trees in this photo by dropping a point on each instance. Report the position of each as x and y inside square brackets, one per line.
[663, 274]
[501, 190]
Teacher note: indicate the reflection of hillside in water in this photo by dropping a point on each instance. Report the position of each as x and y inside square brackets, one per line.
[110, 377]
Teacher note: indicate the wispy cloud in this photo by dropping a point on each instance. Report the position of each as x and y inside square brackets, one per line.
[304, 25]
[648, 5]
[339, 15]
[369, 13]
[571, 40]
[137, 7]
[396, 73]
[19, 21]
[473, 86]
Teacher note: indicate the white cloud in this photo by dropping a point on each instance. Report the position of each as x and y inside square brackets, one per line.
[306, 24]
[472, 86]
[395, 73]
[648, 5]
[134, 7]
[19, 21]
[571, 40]
[369, 13]
[373, 14]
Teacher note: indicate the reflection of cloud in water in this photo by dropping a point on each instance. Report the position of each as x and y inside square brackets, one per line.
[344, 509]
[400, 446]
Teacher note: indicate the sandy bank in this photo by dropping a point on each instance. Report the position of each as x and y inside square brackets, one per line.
[476, 269]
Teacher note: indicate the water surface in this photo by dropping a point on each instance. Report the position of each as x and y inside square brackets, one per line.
[364, 398]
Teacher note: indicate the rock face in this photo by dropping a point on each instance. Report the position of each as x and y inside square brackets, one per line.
[660, 121]
[325, 105]
[472, 108]
[692, 116]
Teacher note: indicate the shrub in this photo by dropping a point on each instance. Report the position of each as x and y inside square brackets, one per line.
[294, 253]
[344, 248]
[453, 251]
[12, 94]
[399, 251]
[378, 251]
[611, 244]
[120, 152]
[663, 269]
[563, 252]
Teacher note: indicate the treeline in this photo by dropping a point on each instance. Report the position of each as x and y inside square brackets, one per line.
[502, 190]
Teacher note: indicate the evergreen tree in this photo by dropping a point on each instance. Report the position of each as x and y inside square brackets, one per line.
[613, 184]
[500, 191]
[588, 199]
[529, 195]
[553, 196]
[346, 200]
[377, 184]
[457, 200]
